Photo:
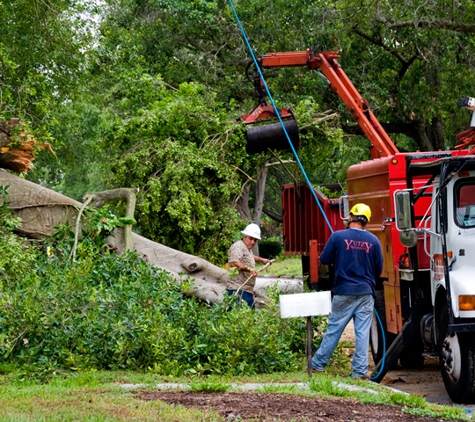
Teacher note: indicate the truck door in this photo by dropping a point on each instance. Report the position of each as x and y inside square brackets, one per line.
[458, 205]
[435, 251]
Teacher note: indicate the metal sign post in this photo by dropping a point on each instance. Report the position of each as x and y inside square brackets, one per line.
[299, 305]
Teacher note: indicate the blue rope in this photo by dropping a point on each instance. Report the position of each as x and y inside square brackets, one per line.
[276, 110]
[383, 359]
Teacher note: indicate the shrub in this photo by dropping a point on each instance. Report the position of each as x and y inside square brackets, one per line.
[107, 312]
[269, 248]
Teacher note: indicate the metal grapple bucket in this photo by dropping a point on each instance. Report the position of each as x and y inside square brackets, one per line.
[262, 138]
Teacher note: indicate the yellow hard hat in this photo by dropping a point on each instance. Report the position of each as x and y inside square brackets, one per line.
[361, 210]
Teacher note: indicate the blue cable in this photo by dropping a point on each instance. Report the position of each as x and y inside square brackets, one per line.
[276, 110]
[374, 377]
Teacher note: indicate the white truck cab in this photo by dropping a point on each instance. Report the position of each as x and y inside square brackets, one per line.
[447, 230]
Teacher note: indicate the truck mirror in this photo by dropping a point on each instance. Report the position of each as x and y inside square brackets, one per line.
[344, 208]
[408, 238]
[402, 205]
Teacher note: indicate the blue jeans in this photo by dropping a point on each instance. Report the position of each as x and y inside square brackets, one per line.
[344, 308]
[243, 296]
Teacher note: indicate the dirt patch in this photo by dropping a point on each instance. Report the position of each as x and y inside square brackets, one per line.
[263, 407]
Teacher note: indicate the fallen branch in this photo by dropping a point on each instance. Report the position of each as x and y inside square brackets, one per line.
[258, 271]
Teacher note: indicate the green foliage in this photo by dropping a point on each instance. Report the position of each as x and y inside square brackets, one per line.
[153, 102]
[411, 74]
[42, 52]
[117, 312]
[104, 220]
[209, 387]
[76, 168]
[7, 220]
[323, 142]
[234, 340]
[178, 144]
[182, 40]
[179, 149]
[269, 248]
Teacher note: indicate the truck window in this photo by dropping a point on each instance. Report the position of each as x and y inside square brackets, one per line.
[464, 202]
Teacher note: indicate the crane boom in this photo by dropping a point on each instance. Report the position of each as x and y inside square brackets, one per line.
[381, 143]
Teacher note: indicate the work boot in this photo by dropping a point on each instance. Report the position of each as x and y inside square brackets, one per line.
[364, 377]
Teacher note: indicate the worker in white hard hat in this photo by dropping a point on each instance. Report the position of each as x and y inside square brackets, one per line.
[240, 256]
[358, 261]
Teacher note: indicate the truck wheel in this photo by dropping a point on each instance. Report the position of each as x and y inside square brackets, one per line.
[376, 332]
[457, 362]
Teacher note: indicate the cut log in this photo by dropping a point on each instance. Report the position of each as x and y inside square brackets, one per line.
[191, 266]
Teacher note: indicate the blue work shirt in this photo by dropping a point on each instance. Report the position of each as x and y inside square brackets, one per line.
[358, 261]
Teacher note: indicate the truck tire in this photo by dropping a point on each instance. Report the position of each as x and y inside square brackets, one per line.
[377, 333]
[457, 362]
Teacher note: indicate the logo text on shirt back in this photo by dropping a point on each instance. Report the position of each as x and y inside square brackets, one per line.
[356, 244]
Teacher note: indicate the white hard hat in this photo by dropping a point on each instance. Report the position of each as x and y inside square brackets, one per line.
[252, 230]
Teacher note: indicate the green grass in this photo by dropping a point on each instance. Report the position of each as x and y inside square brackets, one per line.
[101, 397]
[284, 266]
[95, 397]
[209, 387]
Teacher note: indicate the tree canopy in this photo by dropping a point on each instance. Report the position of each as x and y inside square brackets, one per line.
[42, 56]
[147, 93]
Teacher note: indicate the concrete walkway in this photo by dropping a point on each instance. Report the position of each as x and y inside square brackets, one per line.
[257, 386]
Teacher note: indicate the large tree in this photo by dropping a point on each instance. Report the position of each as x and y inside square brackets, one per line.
[41, 49]
[412, 59]
[167, 79]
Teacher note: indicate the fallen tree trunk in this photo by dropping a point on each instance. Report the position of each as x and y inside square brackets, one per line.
[42, 209]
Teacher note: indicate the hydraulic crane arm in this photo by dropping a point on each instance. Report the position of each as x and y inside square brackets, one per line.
[381, 144]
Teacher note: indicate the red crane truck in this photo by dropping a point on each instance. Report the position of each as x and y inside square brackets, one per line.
[423, 213]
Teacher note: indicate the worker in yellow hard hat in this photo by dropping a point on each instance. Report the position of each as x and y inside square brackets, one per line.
[358, 260]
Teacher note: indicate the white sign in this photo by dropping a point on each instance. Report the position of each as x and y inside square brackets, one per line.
[305, 304]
